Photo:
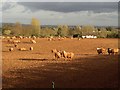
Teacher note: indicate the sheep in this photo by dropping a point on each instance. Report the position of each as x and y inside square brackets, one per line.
[13, 37]
[57, 54]
[22, 49]
[49, 39]
[33, 41]
[79, 38]
[16, 45]
[34, 37]
[113, 51]
[16, 41]
[69, 55]
[10, 49]
[101, 50]
[20, 37]
[31, 48]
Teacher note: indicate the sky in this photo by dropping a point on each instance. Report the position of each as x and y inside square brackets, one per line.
[89, 12]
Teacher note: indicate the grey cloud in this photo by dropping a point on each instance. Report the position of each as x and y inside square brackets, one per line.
[67, 7]
[6, 6]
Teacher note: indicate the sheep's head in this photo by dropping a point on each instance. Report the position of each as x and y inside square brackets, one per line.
[109, 49]
[53, 50]
[98, 48]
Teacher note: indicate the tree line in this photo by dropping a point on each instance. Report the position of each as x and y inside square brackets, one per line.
[35, 29]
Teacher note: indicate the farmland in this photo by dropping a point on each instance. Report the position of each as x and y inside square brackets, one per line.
[38, 68]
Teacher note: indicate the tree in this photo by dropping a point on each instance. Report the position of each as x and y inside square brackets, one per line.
[7, 32]
[35, 26]
[88, 30]
[6, 27]
[47, 32]
[78, 31]
[18, 28]
[103, 33]
[63, 30]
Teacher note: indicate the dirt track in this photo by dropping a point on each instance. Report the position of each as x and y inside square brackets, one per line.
[37, 68]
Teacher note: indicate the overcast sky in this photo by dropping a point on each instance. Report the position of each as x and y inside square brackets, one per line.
[54, 13]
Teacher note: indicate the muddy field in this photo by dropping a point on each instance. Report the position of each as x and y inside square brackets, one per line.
[38, 69]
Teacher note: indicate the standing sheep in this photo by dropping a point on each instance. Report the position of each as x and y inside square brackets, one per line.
[101, 50]
[113, 51]
[10, 49]
[31, 48]
[16, 45]
[56, 53]
[69, 55]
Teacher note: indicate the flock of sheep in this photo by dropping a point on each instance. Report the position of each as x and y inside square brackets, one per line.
[62, 54]
[109, 51]
[16, 40]
[58, 54]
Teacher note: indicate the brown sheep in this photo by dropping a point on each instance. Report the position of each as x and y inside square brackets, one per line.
[113, 51]
[56, 53]
[101, 50]
[69, 55]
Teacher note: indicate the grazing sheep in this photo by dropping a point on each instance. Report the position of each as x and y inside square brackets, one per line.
[34, 37]
[31, 48]
[49, 39]
[10, 49]
[113, 51]
[33, 41]
[101, 50]
[16, 41]
[20, 37]
[13, 37]
[69, 55]
[57, 54]
[22, 49]
[10, 40]
[16, 45]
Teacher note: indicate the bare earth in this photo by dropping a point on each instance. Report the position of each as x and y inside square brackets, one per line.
[38, 69]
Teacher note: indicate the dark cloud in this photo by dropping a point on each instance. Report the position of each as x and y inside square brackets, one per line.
[67, 7]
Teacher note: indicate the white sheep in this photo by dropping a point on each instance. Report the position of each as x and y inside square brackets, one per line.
[16, 41]
[10, 49]
[33, 41]
[16, 45]
[31, 48]
[34, 37]
[22, 49]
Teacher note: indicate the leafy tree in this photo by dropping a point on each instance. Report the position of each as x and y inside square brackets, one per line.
[102, 33]
[7, 32]
[63, 30]
[18, 28]
[35, 26]
[6, 27]
[87, 30]
[47, 32]
[78, 31]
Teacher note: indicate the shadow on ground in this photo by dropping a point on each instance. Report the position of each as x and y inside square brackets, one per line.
[94, 71]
